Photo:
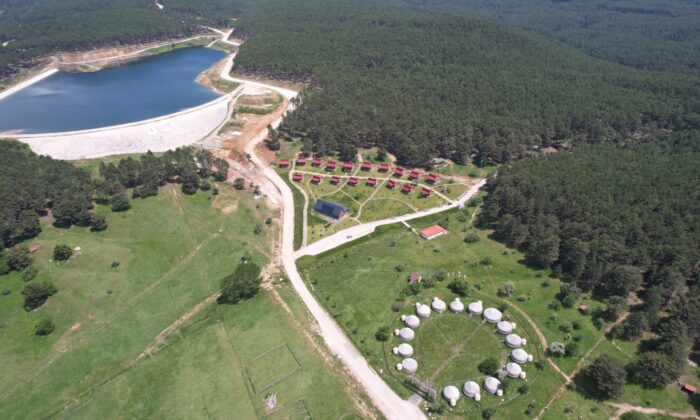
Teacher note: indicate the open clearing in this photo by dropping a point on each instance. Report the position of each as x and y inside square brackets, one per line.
[173, 250]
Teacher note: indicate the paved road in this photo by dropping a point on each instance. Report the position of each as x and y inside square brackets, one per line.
[354, 232]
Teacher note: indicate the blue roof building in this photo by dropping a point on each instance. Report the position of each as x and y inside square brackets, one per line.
[333, 210]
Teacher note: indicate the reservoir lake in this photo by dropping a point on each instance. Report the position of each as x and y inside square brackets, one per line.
[143, 89]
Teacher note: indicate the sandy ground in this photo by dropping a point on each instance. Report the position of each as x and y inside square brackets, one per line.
[16, 88]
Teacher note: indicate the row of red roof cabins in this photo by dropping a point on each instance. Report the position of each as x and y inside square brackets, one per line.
[366, 166]
[372, 182]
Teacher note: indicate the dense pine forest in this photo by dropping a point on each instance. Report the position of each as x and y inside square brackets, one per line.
[615, 220]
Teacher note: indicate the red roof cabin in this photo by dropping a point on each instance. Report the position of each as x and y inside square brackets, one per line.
[366, 166]
[335, 180]
[383, 167]
[297, 177]
[284, 163]
[426, 192]
[330, 166]
[301, 160]
[353, 180]
[372, 182]
[414, 175]
[433, 232]
[347, 166]
[399, 171]
[316, 179]
[689, 389]
[316, 162]
[33, 248]
[432, 178]
[391, 184]
[407, 189]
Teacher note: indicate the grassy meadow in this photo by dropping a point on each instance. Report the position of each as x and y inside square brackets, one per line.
[172, 250]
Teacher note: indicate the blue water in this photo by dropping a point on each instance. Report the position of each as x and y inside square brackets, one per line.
[147, 88]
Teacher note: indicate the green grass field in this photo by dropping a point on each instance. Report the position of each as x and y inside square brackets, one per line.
[173, 250]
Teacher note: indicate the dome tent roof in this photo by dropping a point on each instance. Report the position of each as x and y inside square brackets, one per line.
[423, 311]
[491, 384]
[492, 315]
[471, 389]
[476, 307]
[513, 370]
[519, 356]
[409, 365]
[504, 327]
[456, 306]
[405, 349]
[407, 334]
[411, 321]
[514, 341]
[438, 305]
[451, 394]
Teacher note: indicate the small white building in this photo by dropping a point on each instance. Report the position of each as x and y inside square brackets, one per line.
[451, 394]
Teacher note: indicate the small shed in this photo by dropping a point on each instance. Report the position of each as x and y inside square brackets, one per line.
[689, 389]
[391, 184]
[415, 277]
[335, 180]
[284, 163]
[383, 167]
[433, 232]
[353, 180]
[316, 162]
[432, 178]
[33, 248]
[347, 166]
[414, 175]
[372, 182]
[332, 210]
[407, 189]
[399, 171]
[331, 165]
[366, 166]
[584, 309]
[301, 160]
[316, 179]
[426, 192]
[297, 177]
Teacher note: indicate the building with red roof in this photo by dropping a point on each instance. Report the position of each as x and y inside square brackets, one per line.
[316, 162]
[335, 180]
[383, 167]
[399, 171]
[367, 166]
[297, 177]
[33, 248]
[407, 188]
[353, 180]
[330, 166]
[372, 182]
[347, 166]
[433, 232]
[391, 184]
[414, 175]
[284, 163]
[316, 179]
[426, 192]
[432, 178]
[301, 160]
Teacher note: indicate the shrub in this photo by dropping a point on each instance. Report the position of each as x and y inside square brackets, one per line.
[18, 258]
[556, 349]
[489, 366]
[6, 292]
[399, 268]
[29, 273]
[239, 183]
[35, 294]
[98, 223]
[383, 334]
[243, 284]
[62, 252]
[459, 287]
[486, 261]
[506, 289]
[571, 349]
[44, 327]
[522, 298]
[397, 305]
[606, 376]
[566, 327]
[119, 202]
[471, 238]
[488, 413]
[523, 389]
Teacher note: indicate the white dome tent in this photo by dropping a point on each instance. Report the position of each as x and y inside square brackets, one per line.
[476, 308]
[423, 311]
[451, 394]
[492, 384]
[438, 305]
[405, 349]
[409, 365]
[407, 334]
[520, 356]
[472, 390]
[456, 306]
[492, 315]
[411, 321]
[505, 327]
[514, 341]
[514, 370]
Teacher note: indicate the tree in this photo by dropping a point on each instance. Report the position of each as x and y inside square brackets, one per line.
[243, 284]
[222, 166]
[607, 376]
[98, 223]
[556, 349]
[653, 369]
[506, 289]
[119, 202]
[44, 327]
[18, 258]
[239, 184]
[347, 152]
[571, 349]
[29, 273]
[622, 279]
[62, 252]
[635, 325]
[489, 366]
[35, 294]
[616, 306]
[459, 287]
[383, 334]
